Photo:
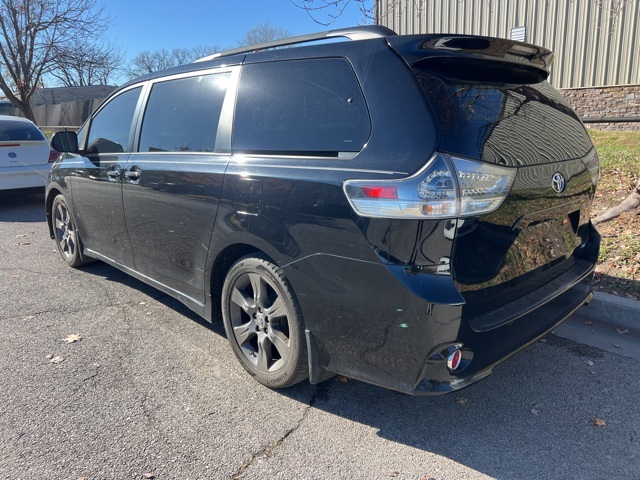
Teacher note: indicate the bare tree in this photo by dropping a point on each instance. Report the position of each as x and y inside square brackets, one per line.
[152, 61]
[31, 30]
[263, 32]
[83, 64]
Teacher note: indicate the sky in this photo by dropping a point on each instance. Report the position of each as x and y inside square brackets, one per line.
[140, 25]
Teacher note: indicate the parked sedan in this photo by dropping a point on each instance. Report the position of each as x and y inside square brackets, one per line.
[25, 155]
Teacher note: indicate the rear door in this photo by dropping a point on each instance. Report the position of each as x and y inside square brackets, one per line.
[172, 183]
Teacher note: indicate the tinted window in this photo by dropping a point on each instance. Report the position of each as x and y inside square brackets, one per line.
[300, 106]
[19, 131]
[110, 128]
[182, 115]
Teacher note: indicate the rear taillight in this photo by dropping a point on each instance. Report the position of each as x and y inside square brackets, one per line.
[592, 162]
[447, 187]
[53, 155]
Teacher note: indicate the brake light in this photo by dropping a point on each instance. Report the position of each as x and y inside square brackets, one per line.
[53, 155]
[447, 187]
[380, 192]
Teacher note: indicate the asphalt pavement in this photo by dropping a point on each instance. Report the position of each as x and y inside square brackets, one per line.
[150, 391]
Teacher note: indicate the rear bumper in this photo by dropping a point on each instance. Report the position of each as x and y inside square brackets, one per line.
[366, 321]
[23, 177]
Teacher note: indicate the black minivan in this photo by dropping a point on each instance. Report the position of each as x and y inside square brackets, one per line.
[409, 211]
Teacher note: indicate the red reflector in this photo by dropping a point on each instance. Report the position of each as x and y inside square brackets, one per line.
[453, 362]
[53, 156]
[380, 192]
[9, 144]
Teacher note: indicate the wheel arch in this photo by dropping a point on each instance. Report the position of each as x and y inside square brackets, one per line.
[221, 265]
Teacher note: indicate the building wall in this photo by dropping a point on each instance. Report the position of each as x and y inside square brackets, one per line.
[602, 102]
[588, 53]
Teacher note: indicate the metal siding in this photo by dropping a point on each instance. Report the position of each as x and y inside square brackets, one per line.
[587, 54]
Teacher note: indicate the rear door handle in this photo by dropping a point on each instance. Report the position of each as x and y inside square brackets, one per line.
[114, 173]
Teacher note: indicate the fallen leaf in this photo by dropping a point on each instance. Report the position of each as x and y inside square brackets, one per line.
[142, 303]
[393, 473]
[616, 345]
[342, 379]
[598, 422]
[50, 356]
[590, 363]
[56, 359]
[622, 332]
[74, 337]
[21, 243]
[535, 411]
[22, 236]
[462, 400]
[149, 476]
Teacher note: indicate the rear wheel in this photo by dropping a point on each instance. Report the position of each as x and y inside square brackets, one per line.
[66, 233]
[263, 322]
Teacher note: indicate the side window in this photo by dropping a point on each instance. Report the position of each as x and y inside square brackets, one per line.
[182, 115]
[311, 106]
[110, 128]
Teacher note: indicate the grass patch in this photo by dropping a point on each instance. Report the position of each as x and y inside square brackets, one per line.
[618, 269]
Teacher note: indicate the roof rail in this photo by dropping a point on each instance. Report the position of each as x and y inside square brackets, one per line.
[353, 33]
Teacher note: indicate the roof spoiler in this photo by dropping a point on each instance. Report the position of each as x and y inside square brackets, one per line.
[443, 52]
[353, 33]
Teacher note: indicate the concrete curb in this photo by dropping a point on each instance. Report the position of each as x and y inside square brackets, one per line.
[614, 310]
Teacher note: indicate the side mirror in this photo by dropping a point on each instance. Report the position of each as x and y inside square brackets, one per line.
[65, 142]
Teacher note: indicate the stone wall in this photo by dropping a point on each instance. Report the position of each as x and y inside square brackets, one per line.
[599, 102]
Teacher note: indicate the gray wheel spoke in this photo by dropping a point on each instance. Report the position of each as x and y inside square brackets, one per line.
[277, 309]
[60, 225]
[240, 299]
[62, 214]
[264, 353]
[64, 244]
[259, 288]
[244, 332]
[281, 342]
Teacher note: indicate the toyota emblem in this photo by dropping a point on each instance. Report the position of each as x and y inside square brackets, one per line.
[558, 183]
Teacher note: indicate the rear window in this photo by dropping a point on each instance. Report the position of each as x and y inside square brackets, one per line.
[19, 131]
[301, 107]
[504, 123]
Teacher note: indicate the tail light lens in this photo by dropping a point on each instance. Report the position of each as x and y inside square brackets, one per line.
[592, 163]
[447, 187]
[53, 155]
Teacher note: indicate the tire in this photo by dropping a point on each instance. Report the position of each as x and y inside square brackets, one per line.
[66, 233]
[264, 323]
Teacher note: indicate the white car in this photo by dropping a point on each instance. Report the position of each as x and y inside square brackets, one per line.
[25, 155]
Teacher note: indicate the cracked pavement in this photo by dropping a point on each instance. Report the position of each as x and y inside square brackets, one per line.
[151, 389]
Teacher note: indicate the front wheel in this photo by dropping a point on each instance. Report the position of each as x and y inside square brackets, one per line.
[263, 323]
[66, 233]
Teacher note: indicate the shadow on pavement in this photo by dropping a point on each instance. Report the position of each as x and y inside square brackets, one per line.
[22, 207]
[533, 418]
